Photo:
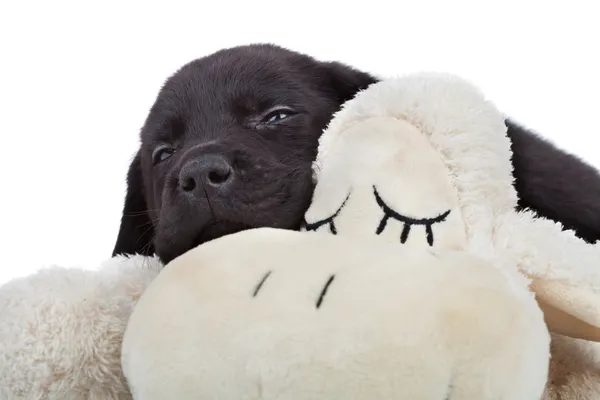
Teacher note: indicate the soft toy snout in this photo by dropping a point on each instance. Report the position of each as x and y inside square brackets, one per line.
[310, 316]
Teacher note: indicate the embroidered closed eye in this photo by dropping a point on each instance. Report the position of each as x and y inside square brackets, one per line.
[316, 225]
[407, 221]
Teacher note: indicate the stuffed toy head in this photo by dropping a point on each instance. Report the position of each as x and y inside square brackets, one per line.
[413, 201]
[425, 161]
[421, 161]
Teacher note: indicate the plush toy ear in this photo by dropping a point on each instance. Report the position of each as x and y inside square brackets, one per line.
[569, 311]
[346, 81]
[136, 232]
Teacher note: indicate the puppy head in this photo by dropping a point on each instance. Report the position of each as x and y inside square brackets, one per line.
[228, 145]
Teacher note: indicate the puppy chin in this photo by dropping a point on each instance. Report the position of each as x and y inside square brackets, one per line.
[172, 241]
[217, 229]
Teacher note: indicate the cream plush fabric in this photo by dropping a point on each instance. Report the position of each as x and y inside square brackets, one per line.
[414, 210]
[61, 330]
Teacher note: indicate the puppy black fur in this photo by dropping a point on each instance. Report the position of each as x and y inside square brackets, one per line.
[229, 142]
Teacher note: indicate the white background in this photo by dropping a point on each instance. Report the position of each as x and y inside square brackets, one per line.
[77, 79]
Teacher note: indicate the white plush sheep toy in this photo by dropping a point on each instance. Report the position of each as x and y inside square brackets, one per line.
[421, 281]
[415, 278]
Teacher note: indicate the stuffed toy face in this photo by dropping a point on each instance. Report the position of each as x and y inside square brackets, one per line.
[395, 187]
[422, 160]
[298, 316]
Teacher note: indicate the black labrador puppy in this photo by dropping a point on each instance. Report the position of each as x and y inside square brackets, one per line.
[229, 142]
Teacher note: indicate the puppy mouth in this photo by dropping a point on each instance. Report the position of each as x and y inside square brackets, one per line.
[216, 229]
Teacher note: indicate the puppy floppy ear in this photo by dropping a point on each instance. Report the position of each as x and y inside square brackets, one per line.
[346, 81]
[136, 232]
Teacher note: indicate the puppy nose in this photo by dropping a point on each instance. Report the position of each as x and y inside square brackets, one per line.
[205, 173]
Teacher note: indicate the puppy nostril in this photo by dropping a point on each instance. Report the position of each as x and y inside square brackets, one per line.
[188, 184]
[219, 176]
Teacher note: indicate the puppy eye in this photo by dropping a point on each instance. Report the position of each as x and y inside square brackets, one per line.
[161, 154]
[277, 115]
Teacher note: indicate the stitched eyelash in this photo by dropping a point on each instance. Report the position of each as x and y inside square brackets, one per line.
[388, 213]
[408, 222]
[316, 225]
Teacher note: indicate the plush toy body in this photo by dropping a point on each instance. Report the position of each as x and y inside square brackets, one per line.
[341, 318]
[410, 174]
